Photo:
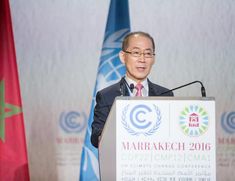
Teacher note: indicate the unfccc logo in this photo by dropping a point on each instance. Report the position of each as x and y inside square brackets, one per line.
[141, 119]
[73, 122]
[228, 122]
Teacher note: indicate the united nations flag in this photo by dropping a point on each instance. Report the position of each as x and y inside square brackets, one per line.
[109, 71]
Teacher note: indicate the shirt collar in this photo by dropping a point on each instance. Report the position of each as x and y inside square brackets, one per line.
[145, 89]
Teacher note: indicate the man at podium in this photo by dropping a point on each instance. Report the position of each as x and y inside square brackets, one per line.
[138, 55]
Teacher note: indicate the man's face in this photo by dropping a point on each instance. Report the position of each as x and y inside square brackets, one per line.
[138, 68]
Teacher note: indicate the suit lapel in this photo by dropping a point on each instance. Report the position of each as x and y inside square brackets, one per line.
[118, 89]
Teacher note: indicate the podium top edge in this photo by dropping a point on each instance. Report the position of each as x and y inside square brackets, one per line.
[165, 98]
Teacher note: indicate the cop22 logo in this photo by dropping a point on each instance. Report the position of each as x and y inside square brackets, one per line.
[141, 119]
[194, 120]
[73, 122]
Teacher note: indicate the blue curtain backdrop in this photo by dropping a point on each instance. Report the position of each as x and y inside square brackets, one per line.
[110, 70]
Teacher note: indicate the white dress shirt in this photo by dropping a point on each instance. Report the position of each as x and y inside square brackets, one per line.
[145, 89]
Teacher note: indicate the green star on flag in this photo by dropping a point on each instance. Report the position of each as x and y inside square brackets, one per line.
[6, 110]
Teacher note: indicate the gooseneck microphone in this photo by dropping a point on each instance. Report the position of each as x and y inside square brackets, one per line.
[123, 85]
[203, 90]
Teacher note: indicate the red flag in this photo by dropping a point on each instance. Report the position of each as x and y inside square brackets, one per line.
[13, 154]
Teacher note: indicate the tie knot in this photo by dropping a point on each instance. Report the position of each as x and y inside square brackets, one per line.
[139, 87]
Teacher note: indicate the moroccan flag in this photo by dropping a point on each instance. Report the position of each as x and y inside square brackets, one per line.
[110, 71]
[13, 155]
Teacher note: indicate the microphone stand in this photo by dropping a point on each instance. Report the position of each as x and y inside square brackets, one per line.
[203, 91]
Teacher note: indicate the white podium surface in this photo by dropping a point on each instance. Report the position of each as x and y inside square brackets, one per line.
[162, 139]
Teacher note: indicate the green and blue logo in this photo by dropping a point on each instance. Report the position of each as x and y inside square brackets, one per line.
[193, 120]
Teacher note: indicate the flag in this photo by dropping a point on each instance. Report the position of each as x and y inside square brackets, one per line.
[110, 70]
[13, 155]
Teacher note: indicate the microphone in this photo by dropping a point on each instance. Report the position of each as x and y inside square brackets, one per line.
[203, 90]
[131, 87]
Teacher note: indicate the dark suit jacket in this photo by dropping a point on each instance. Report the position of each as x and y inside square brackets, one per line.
[104, 101]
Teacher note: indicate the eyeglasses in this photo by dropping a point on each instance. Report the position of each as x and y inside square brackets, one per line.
[137, 53]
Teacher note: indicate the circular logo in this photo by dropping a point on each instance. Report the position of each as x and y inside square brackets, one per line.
[73, 122]
[193, 121]
[228, 122]
[111, 68]
[141, 119]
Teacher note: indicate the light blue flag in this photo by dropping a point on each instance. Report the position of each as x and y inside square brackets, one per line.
[110, 70]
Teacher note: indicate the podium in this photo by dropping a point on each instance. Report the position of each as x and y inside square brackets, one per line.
[159, 139]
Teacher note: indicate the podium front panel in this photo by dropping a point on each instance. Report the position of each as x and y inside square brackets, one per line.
[164, 139]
